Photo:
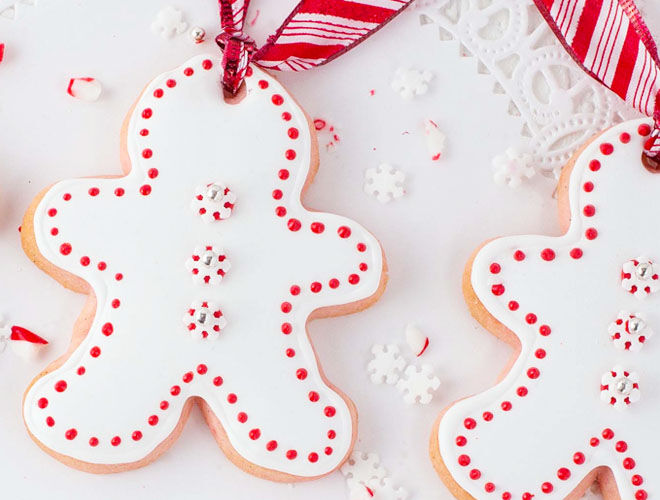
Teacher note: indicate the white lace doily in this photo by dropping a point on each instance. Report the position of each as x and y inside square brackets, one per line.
[559, 106]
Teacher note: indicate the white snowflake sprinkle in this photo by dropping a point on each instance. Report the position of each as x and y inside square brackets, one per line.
[363, 469]
[411, 82]
[512, 168]
[418, 385]
[169, 22]
[384, 182]
[386, 365]
[389, 492]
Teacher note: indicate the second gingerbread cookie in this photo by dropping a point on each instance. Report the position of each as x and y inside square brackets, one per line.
[203, 268]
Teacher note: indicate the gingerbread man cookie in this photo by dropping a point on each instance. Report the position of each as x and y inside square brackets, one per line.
[203, 267]
[578, 402]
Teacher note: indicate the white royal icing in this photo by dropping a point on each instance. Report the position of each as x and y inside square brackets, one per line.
[543, 428]
[130, 237]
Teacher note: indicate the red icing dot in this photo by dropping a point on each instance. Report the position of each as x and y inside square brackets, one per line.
[94, 191]
[533, 373]
[93, 441]
[286, 116]
[317, 227]
[95, 352]
[153, 420]
[164, 405]
[137, 435]
[540, 353]
[461, 441]
[563, 474]
[475, 474]
[522, 392]
[232, 398]
[588, 187]
[548, 254]
[277, 194]
[293, 133]
[489, 487]
[513, 305]
[263, 84]
[147, 113]
[637, 480]
[152, 173]
[42, 403]
[171, 83]
[294, 225]
[608, 434]
[594, 165]
[107, 329]
[295, 290]
[207, 64]
[60, 386]
[621, 446]
[527, 496]
[506, 496]
[576, 253]
[641, 495]
[497, 289]
[329, 411]
[314, 396]
[50, 421]
[202, 369]
[332, 435]
[116, 441]
[545, 330]
[158, 93]
[316, 287]
[495, 268]
[71, 434]
[488, 416]
[175, 390]
[188, 71]
[531, 318]
[301, 374]
[506, 405]
[591, 233]
[313, 457]
[217, 381]
[519, 255]
[52, 212]
[579, 458]
[470, 423]
[286, 328]
[84, 261]
[147, 153]
[547, 487]
[344, 232]
[119, 276]
[66, 197]
[242, 417]
[145, 190]
[187, 377]
[120, 192]
[644, 129]
[606, 148]
[115, 303]
[65, 248]
[280, 211]
[286, 307]
[361, 247]
[463, 460]
[277, 99]
[353, 279]
[283, 174]
[594, 442]
[271, 446]
[54, 231]
[628, 463]
[291, 454]
[624, 137]
[290, 154]
[81, 371]
[255, 434]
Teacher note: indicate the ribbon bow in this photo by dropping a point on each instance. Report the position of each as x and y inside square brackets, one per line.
[315, 32]
[611, 42]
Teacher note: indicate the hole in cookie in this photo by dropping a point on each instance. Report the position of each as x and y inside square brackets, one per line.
[651, 164]
[235, 99]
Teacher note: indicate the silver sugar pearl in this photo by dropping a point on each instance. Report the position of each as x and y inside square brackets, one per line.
[208, 257]
[214, 192]
[644, 270]
[636, 325]
[623, 386]
[197, 34]
[201, 317]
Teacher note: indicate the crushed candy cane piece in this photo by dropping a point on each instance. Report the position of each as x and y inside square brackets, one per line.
[384, 182]
[169, 22]
[26, 344]
[86, 89]
[328, 135]
[2, 51]
[417, 341]
[418, 385]
[411, 82]
[360, 492]
[435, 140]
[512, 168]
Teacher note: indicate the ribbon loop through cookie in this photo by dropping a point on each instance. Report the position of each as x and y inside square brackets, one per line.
[611, 42]
[315, 32]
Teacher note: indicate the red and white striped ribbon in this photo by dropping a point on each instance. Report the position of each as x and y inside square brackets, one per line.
[611, 42]
[316, 32]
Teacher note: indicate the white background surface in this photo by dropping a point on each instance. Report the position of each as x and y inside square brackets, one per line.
[449, 209]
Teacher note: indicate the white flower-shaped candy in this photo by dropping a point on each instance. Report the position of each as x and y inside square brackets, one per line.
[205, 319]
[630, 331]
[213, 202]
[620, 388]
[640, 277]
[208, 265]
